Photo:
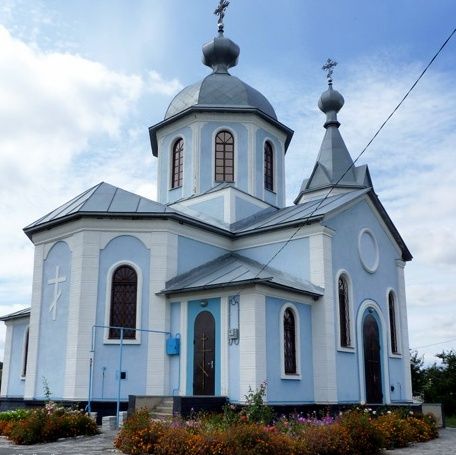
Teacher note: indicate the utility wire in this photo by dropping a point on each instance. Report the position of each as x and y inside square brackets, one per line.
[305, 221]
[433, 344]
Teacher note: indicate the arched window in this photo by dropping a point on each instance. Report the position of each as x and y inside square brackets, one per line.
[123, 302]
[224, 157]
[268, 166]
[344, 312]
[177, 166]
[25, 353]
[289, 342]
[392, 320]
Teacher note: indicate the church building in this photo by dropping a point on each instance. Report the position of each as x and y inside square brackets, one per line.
[219, 286]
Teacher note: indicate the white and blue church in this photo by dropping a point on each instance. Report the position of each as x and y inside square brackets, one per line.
[218, 286]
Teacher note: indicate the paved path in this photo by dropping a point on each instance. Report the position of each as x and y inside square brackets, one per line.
[102, 444]
[444, 445]
[82, 445]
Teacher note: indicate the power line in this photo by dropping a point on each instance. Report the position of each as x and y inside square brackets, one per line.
[359, 155]
[433, 344]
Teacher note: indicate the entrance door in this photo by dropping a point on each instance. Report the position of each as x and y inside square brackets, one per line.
[372, 363]
[204, 354]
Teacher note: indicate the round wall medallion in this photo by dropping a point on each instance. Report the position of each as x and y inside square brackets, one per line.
[368, 250]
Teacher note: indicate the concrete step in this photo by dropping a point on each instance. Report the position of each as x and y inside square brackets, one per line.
[168, 409]
[161, 415]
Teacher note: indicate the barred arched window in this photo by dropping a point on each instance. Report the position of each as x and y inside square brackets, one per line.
[344, 312]
[25, 352]
[268, 166]
[392, 321]
[224, 157]
[177, 166]
[289, 342]
[123, 302]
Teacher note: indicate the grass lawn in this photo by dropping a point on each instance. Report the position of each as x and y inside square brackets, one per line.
[450, 421]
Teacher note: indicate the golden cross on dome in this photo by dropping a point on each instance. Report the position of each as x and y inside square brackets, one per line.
[220, 12]
[328, 67]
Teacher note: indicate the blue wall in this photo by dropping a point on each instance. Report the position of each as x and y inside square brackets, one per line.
[293, 260]
[194, 308]
[164, 175]
[106, 357]
[288, 390]
[270, 197]
[372, 286]
[53, 333]
[192, 253]
[15, 381]
[212, 207]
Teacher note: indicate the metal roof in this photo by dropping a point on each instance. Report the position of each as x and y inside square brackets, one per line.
[220, 89]
[16, 315]
[234, 270]
[101, 199]
[105, 200]
[308, 212]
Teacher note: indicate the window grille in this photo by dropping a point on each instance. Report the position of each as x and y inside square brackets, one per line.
[344, 313]
[177, 170]
[123, 302]
[268, 167]
[392, 318]
[224, 157]
[289, 342]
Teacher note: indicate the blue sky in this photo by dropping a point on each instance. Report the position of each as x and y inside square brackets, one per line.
[81, 81]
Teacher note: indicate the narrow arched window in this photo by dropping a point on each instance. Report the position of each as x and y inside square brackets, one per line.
[123, 302]
[392, 320]
[224, 157]
[25, 354]
[177, 165]
[344, 312]
[289, 342]
[268, 166]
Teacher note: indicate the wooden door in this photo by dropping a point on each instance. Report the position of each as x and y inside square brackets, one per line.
[372, 360]
[204, 354]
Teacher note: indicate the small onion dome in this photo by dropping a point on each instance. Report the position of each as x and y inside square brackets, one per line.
[331, 102]
[220, 54]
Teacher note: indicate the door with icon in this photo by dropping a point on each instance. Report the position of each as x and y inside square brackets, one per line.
[204, 354]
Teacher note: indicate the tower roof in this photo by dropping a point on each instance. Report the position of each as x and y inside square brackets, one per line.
[334, 167]
[220, 89]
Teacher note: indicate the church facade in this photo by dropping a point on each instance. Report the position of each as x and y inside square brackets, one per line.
[219, 286]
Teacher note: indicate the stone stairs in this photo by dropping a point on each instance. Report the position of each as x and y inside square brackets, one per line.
[164, 409]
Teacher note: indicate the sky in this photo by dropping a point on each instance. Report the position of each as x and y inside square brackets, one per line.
[81, 82]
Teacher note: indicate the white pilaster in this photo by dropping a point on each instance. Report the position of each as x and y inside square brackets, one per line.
[85, 248]
[30, 381]
[400, 265]
[7, 358]
[323, 314]
[252, 344]
[224, 381]
[163, 266]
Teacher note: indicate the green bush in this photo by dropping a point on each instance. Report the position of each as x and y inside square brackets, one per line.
[48, 424]
[357, 432]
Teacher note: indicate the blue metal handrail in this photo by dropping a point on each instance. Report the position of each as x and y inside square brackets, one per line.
[121, 344]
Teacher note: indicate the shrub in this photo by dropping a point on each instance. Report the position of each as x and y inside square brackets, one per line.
[333, 439]
[256, 410]
[397, 431]
[365, 438]
[357, 432]
[49, 424]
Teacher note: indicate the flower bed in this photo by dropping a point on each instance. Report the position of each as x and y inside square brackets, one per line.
[356, 432]
[47, 424]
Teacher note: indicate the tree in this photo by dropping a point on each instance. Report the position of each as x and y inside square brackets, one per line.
[440, 382]
[418, 373]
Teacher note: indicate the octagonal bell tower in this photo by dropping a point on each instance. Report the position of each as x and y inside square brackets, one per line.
[220, 147]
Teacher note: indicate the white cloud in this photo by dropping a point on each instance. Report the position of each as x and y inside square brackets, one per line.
[64, 126]
[412, 166]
